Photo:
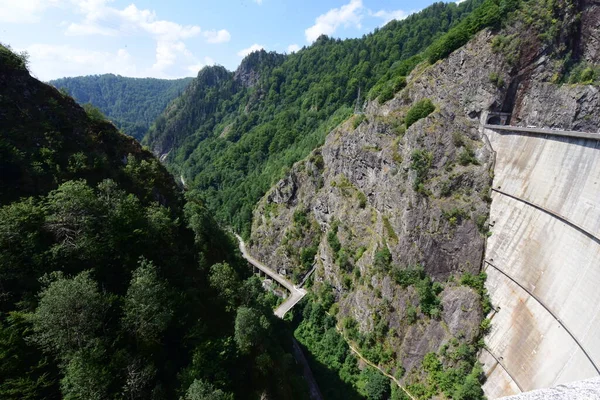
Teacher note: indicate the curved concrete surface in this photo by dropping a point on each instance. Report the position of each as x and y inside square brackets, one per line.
[296, 293]
[545, 257]
[582, 390]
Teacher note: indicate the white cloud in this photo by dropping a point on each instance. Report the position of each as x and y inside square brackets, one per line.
[292, 48]
[326, 24]
[259, 2]
[194, 68]
[64, 60]
[388, 16]
[24, 11]
[221, 36]
[99, 18]
[251, 49]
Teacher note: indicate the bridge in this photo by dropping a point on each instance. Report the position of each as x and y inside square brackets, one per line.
[296, 293]
[543, 258]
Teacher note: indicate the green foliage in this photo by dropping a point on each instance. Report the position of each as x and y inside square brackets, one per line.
[357, 120]
[455, 215]
[420, 163]
[94, 113]
[477, 282]
[408, 276]
[236, 140]
[81, 316]
[497, 80]
[250, 328]
[391, 234]
[419, 110]
[378, 386]
[70, 314]
[202, 390]
[411, 315]
[489, 14]
[467, 156]
[383, 258]
[133, 104]
[332, 238]
[509, 46]
[584, 73]
[307, 256]
[10, 59]
[462, 382]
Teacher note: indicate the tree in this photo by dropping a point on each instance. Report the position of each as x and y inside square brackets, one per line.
[147, 308]
[86, 376]
[226, 280]
[201, 390]
[69, 315]
[250, 328]
[378, 386]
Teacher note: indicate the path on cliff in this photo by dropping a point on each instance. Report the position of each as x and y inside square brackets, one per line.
[355, 351]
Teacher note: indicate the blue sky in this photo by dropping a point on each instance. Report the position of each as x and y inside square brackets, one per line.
[176, 38]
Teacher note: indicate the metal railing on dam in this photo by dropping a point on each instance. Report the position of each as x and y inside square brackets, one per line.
[543, 259]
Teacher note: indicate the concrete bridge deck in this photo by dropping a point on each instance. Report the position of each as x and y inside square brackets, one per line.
[543, 259]
[296, 293]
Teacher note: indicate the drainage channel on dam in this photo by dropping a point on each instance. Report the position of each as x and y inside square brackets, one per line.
[531, 294]
[501, 364]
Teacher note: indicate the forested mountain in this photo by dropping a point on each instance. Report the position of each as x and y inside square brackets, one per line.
[232, 135]
[133, 104]
[112, 285]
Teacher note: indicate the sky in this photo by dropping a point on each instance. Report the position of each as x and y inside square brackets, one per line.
[176, 38]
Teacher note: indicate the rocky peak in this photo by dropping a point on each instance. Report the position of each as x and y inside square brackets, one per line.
[252, 67]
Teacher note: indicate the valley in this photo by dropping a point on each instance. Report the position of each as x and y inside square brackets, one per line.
[410, 214]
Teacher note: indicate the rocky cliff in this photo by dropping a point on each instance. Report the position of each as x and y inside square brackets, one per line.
[422, 194]
[378, 202]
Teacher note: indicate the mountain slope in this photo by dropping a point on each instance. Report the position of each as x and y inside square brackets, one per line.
[393, 209]
[133, 104]
[233, 138]
[111, 284]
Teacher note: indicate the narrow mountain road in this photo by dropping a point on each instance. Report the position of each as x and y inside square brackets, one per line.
[296, 294]
[355, 351]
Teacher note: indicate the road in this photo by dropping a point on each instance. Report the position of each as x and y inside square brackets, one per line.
[296, 294]
[545, 131]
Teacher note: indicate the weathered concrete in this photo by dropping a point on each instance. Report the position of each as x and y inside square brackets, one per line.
[583, 390]
[543, 260]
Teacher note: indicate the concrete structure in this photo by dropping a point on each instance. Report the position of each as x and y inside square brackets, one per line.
[296, 293]
[497, 118]
[543, 259]
[582, 390]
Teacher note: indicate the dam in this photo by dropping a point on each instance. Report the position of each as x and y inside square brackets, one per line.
[542, 259]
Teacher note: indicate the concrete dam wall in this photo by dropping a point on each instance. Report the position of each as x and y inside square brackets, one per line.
[543, 262]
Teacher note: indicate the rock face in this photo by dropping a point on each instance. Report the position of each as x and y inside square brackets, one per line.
[421, 194]
[362, 185]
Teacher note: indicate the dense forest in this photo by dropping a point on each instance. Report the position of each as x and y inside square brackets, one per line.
[132, 104]
[233, 135]
[112, 284]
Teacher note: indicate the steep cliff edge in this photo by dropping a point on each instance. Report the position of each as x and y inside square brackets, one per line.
[377, 206]
[396, 220]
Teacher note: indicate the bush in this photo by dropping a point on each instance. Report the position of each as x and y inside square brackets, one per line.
[467, 156]
[496, 80]
[358, 119]
[421, 162]
[383, 258]
[419, 111]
